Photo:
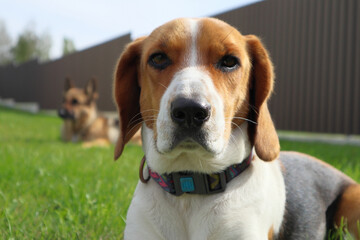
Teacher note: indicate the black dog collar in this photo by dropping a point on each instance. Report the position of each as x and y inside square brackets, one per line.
[178, 183]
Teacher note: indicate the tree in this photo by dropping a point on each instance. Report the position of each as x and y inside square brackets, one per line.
[5, 45]
[30, 46]
[43, 47]
[68, 46]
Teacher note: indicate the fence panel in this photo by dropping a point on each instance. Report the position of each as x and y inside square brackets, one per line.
[314, 45]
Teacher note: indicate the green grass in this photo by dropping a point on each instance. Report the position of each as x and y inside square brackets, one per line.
[55, 190]
[344, 157]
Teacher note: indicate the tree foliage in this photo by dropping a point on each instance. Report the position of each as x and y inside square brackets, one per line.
[68, 46]
[5, 45]
[31, 46]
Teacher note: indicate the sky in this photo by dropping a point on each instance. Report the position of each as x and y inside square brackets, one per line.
[90, 22]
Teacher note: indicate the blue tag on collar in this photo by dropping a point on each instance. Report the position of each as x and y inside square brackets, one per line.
[187, 184]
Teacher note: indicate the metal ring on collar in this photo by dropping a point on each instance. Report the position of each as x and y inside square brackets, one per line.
[141, 171]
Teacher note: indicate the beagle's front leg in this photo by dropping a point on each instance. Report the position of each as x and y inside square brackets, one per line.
[248, 228]
[150, 217]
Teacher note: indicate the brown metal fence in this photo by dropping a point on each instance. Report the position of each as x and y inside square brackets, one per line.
[43, 83]
[314, 44]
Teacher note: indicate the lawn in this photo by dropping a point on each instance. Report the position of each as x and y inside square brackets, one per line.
[55, 190]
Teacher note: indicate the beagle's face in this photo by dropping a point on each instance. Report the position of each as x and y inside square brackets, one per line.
[193, 83]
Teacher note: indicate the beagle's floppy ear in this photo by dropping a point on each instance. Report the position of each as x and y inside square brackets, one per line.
[127, 93]
[68, 84]
[262, 135]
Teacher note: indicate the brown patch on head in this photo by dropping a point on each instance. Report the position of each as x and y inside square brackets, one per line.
[244, 90]
[134, 76]
[139, 85]
[233, 85]
[173, 40]
[349, 209]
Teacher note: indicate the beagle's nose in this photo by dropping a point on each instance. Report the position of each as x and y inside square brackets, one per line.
[189, 113]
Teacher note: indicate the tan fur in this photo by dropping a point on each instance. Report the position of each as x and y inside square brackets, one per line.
[85, 125]
[133, 73]
[136, 139]
[271, 233]
[233, 87]
[138, 89]
[100, 142]
[263, 135]
[126, 94]
[349, 209]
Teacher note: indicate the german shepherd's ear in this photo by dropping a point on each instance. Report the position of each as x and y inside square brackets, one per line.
[127, 93]
[262, 135]
[68, 84]
[91, 89]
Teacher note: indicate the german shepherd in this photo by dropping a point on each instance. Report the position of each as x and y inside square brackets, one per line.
[81, 120]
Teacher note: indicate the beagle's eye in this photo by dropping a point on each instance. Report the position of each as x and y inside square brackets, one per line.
[159, 61]
[228, 63]
[74, 102]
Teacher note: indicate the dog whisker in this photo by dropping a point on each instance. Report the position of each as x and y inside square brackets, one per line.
[139, 119]
[136, 121]
[246, 119]
[253, 108]
[163, 85]
[142, 121]
[136, 125]
[141, 113]
[238, 127]
[235, 141]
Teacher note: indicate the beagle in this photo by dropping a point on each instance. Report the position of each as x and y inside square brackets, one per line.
[199, 90]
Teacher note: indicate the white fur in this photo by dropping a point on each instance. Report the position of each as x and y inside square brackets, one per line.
[251, 205]
[113, 134]
[253, 202]
[191, 83]
[192, 59]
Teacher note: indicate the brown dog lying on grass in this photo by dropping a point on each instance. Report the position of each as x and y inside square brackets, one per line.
[81, 120]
